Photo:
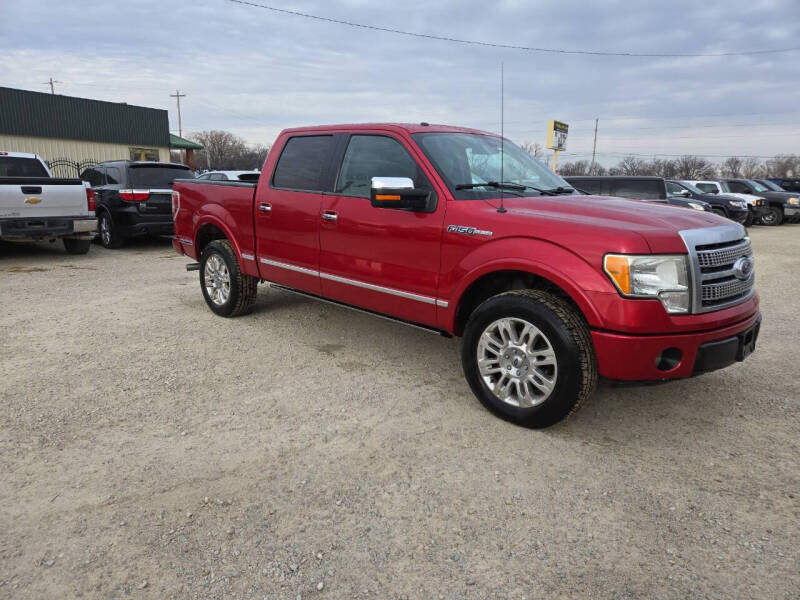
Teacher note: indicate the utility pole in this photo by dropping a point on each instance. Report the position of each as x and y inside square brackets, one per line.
[52, 87]
[594, 147]
[178, 96]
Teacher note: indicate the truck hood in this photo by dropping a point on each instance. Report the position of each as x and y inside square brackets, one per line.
[610, 224]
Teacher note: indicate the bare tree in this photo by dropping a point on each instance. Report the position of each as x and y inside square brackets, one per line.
[630, 165]
[578, 167]
[225, 150]
[693, 167]
[662, 168]
[731, 167]
[752, 168]
[783, 165]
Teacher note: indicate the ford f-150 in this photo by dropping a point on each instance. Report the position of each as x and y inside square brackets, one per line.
[455, 231]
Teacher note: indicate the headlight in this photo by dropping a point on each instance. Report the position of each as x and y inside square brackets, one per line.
[761, 202]
[696, 206]
[738, 203]
[794, 201]
[662, 276]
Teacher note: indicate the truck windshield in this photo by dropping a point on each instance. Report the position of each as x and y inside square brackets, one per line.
[19, 166]
[772, 185]
[467, 160]
[693, 188]
[157, 176]
[759, 187]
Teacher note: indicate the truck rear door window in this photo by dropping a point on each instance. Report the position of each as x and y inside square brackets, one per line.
[18, 166]
[639, 190]
[302, 163]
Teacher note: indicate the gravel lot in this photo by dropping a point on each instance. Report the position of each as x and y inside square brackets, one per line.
[149, 449]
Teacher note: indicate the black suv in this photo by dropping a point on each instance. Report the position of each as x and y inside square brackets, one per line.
[727, 206]
[653, 189]
[782, 205]
[133, 198]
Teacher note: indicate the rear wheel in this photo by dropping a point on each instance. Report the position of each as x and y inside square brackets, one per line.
[73, 246]
[109, 235]
[528, 357]
[228, 292]
[772, 216]
[720, 212]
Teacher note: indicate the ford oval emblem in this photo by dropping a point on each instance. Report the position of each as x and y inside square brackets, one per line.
[743, 267]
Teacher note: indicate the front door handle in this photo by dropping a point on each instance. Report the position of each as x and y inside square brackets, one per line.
[329, 215]
[264, 207]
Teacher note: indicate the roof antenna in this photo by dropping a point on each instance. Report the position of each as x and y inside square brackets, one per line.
[502, 208]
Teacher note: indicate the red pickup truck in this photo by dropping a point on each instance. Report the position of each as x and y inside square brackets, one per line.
[456, 231]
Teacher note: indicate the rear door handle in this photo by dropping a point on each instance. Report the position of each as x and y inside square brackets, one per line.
[265, 207]
[330, 215]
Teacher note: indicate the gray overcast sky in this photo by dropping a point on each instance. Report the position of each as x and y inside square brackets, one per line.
[254, 72]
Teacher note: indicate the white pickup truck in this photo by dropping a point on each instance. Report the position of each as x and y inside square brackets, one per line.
[34, 205]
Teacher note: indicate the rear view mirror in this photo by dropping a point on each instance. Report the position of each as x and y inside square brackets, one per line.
[398, 192]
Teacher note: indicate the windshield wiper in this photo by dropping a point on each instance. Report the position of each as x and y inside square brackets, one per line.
[507, 185]
[561, 190]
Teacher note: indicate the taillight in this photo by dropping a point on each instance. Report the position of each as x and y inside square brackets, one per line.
[176, 204]
[90, 203]
[134, 195]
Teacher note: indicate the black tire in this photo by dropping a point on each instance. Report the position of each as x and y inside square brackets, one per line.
[76, 246]
[108, 233]
[772, 216]
[243, 288]
[568, 334]
[748, 221]
[720, 211]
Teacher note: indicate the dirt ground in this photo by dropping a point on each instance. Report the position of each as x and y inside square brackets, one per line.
[149, 449]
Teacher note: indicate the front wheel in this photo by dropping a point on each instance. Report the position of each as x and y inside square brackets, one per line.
[528, 357]
[228, 292]
[772, 216]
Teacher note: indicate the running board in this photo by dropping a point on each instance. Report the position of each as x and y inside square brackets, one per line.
[193, 267]
[365, 311]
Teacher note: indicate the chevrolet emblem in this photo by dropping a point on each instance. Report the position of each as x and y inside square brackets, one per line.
[32, 200]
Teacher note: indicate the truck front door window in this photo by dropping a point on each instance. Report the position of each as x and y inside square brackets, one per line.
[369, 156]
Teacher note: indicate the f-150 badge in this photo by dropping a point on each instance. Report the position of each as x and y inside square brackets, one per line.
[464, 230]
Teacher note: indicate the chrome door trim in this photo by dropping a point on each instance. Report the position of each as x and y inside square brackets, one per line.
[356, 283]
[288, 267]
[379, 288]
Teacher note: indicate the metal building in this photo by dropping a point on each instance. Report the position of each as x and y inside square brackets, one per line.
[66, 128]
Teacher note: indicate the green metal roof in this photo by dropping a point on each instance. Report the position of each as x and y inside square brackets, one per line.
[179, 142]
[38, 114]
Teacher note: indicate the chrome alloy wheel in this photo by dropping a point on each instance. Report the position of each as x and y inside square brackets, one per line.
[217, 279]
[517, 362]
[105, 230]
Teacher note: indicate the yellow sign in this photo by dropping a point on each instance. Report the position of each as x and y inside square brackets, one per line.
[557, 135]
[32, 200]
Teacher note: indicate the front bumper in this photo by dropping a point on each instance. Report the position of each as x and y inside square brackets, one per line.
[791, 212]
[50, 227]
[628, 357]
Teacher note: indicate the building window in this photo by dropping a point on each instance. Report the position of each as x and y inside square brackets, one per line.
[144, 154]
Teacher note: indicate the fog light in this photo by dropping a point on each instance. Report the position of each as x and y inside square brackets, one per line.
[675, 301]
[669, 359]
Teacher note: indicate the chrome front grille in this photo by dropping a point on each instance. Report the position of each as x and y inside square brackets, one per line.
[724, 256]
[713, 253]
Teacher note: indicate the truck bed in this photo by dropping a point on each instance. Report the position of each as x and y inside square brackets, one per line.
[231, 202]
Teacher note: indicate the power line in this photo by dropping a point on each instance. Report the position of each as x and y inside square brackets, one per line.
[506, 46]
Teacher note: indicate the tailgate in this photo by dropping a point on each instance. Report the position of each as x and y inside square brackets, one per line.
[42, 197]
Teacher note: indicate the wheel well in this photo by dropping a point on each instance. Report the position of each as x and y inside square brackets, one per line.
[498, 282]
[208, 233]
